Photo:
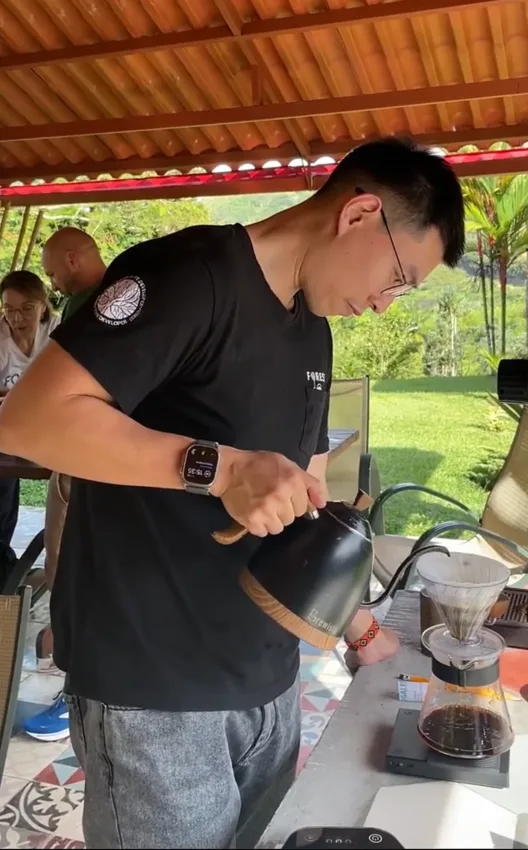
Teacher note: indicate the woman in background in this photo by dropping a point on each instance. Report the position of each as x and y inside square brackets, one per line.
[25, 326]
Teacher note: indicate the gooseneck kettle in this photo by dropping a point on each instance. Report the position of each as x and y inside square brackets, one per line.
[313, 577]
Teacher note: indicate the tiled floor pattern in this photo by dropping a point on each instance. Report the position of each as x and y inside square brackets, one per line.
[42, 788]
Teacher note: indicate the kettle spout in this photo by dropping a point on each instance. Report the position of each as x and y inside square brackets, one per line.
[402, 573]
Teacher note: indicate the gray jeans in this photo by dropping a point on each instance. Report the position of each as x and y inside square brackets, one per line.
[183, 779]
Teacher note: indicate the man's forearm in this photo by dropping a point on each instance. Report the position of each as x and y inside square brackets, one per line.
[359, 625]
[88, 438]
[58, 416]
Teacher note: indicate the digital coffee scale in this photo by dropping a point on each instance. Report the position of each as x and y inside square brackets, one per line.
[317, 838]
[409, 755]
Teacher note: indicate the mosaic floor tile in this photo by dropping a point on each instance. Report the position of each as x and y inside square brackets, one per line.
[312, 668]
[62, 774]
[316, 698]
[313, 726]
[304, 754]
[319, 705]
[329, 689]
[9, 787]
[68, 757]
[11, 837]
[332, 667]
[317, 688]
[39, 808]
[27, 757]
[65, 770]
[71, 825]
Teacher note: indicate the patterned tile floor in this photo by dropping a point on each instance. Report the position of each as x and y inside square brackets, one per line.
[41, 793]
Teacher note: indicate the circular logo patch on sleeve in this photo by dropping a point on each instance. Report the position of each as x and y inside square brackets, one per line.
[121, 302]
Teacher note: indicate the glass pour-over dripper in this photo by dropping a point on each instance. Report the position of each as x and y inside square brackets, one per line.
[464, 713]
[464, 588]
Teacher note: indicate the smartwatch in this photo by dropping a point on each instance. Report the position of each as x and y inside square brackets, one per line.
[199, 467]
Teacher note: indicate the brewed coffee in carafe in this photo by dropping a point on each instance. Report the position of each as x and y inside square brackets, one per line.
[464, 713]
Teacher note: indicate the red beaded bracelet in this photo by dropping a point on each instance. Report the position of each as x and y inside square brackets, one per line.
[365, 639]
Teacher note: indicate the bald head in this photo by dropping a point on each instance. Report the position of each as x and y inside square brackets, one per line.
[72, 261]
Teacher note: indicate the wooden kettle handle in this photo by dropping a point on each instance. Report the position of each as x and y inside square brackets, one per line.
[230, 535]
[236, 532]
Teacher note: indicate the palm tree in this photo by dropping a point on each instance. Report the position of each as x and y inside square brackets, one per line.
[449, 307]
[497, 211]
[475, 245]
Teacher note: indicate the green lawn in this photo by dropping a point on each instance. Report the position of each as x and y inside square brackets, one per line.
[431, 431]
[33, 493]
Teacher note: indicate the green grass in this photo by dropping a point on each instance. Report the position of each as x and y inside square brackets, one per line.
[33, 493]
[433, 431]
[430, 431]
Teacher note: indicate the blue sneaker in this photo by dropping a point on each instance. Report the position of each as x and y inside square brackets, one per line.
[50, 725]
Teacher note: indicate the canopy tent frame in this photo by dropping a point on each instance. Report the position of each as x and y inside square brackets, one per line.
[247, 181]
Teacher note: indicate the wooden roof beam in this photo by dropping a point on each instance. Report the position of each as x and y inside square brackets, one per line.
[233, 20]
[137, 164]
[253, 29]
[269, 112]
[229, 13]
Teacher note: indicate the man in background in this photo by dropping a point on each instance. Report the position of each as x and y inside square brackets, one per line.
[72, 261]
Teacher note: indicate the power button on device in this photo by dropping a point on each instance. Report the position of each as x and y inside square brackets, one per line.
[375, 838]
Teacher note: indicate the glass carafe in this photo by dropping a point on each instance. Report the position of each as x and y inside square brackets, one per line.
[464, 713]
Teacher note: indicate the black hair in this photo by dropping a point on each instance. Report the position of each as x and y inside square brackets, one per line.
[418, 188]
[28, 284]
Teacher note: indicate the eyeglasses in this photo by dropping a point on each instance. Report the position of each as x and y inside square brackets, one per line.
[25, 311]
[398, 289]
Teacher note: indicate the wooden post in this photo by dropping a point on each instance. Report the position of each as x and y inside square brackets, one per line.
[256, 86]
[22, 233]
[34, 237]
[3, 222]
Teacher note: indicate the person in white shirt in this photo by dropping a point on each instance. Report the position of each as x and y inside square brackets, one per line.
[25, 326]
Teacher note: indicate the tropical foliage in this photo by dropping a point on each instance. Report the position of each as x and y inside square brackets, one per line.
[449, 327]
[497, 213]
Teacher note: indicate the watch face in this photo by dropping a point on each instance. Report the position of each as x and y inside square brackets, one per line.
[200, 465]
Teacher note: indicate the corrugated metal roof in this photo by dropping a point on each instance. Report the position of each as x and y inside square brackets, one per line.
[112, 86]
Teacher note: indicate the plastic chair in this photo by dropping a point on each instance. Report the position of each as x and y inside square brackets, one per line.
[23, 567]
[14, 615]
[353, 468]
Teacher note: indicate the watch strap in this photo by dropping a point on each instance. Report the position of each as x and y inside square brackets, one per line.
[196, 489]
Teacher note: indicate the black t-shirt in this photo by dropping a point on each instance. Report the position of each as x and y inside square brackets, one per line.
[187, 337]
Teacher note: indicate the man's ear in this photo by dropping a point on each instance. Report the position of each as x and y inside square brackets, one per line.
[357, 210]
[71, 259]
